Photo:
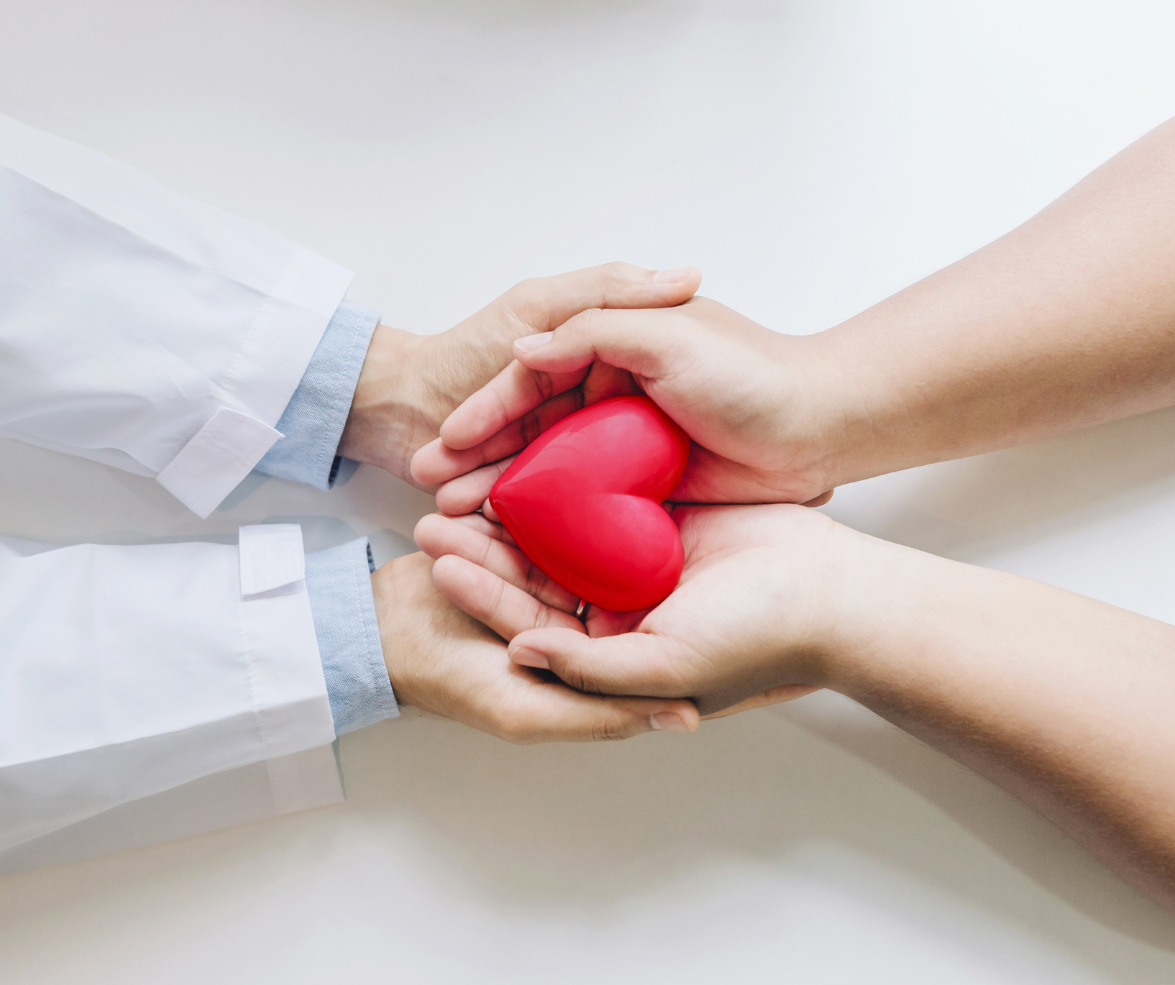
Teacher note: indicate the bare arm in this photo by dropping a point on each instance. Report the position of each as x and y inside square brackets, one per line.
[1066, 322]
[1062, 700]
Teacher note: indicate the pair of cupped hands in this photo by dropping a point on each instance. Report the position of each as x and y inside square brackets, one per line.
[474, 632]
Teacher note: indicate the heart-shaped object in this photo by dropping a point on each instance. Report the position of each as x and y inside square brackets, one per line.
[583, 503]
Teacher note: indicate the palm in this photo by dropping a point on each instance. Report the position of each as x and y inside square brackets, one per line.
[740, 563]
[736, 560]
[444, 662]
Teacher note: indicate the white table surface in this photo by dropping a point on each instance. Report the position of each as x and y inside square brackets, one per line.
[811, 158]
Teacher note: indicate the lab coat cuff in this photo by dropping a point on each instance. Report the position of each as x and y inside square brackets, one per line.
[271, 363]
[341, 602]
[312, 423]
[277, 621]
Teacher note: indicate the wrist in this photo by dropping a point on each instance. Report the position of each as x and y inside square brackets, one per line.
[822, 414]
[880, 605]
[390, 592]
[387, 412]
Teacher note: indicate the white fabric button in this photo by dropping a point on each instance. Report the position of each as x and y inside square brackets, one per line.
[272, 557]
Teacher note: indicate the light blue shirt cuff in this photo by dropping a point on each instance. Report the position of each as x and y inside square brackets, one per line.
[339, 584]
[314, 418]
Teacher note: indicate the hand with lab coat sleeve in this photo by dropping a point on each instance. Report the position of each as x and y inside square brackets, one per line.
[129, 671]
[160, 336]
[167, 338]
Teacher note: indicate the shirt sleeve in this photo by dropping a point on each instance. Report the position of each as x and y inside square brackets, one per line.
[339, 585]
[312, 423]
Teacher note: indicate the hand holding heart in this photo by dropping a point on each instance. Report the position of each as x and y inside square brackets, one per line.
[753, 617]
[410, 383]
[754, 403]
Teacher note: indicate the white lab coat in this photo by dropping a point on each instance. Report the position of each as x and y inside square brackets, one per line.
[163, 337]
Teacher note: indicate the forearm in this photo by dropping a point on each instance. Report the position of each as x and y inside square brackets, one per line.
[1066, 322]
[1062, 700]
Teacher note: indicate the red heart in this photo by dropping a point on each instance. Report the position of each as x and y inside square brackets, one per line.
[583, 503]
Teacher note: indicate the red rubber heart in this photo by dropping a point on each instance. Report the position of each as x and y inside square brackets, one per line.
[583, 503]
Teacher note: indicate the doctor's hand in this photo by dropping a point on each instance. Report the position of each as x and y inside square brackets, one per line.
[751, 622]
[410, 383]
[758, 406]
[441, 660]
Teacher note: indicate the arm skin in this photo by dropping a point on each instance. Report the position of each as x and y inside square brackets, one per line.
[1064, 323]
[1061, 700]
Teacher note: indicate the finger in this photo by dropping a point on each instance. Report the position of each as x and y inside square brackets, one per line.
[546, 302]
[636, 341]
[492, 600]
[820, 500]
[483, 524]
[772, 696]
[442, 461]
[437, 462]
[514, 392]
[552, 712]
[635, 663]
[438, 536]
[467, 492]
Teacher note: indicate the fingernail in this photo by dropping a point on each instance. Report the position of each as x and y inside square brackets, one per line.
[674, 276]
[528, 343]
[669, 722]
[529, 658]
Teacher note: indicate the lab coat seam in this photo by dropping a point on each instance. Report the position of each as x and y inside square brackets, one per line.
[251, 674]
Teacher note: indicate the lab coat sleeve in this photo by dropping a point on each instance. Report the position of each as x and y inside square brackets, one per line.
[144, 330]
[128, 671]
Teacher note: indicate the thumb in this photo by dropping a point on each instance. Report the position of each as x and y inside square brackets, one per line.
[630, 663]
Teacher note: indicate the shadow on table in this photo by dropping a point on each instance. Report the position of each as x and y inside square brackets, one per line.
[592, 827]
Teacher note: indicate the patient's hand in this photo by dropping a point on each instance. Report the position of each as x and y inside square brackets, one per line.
[751, 622]
[763, 410]
[441, 660]
[410, 383]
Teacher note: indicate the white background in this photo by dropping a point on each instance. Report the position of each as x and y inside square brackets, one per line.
[811, 158]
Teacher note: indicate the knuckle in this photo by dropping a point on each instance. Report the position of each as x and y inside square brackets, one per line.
[573, 675]
[588, 321]
[490, 604]
[614, 278]
[544, 383]
[524, 291]
[536, 581]
[610, 729]
[508, 728]
[529, 427]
